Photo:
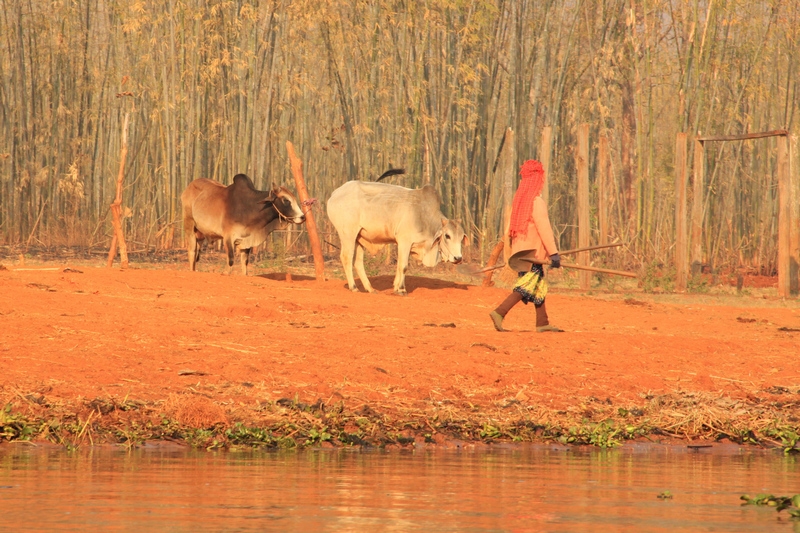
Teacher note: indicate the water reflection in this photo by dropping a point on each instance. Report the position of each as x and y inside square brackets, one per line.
[514, 489]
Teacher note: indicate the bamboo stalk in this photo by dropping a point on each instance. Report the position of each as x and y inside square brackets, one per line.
[603, 175]
[784, 220]
[582, 164]
[546, 154]
[681, 262]
[794, 206]
[508, 172]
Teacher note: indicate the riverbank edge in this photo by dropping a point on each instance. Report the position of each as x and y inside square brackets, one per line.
[691, 418]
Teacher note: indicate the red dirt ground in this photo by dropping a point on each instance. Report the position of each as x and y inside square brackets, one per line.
[85, 332]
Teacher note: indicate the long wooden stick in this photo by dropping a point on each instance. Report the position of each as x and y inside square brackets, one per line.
[601, 270]
[496, 254]
[564, 265]
[589, 248]
[586, 267]
[744, 137]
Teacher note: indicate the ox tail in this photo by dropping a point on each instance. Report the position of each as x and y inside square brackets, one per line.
[391, 172]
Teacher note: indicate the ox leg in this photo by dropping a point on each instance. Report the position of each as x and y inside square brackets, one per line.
[229, 250]
[347, 261]
[362, 274]
[244, 259]
[403, 251]
[193, 250]
[199, 239]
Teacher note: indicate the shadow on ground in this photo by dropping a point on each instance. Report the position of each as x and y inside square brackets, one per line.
[386, 283]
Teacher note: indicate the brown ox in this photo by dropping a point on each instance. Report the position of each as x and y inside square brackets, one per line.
[238, 214]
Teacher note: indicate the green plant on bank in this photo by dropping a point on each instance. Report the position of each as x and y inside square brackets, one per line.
[208, 438]
[489, 432]
[788, 438]
[239, 434]
[15, 426]
[790, 504]
[318, 436]
[132, 435]
[605, 434]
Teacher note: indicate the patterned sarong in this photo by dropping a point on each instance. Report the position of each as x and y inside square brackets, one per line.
[532, 285]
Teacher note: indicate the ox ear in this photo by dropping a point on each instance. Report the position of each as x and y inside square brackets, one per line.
[271, 197]
[465, 240]
[273, 193]
[437, 237]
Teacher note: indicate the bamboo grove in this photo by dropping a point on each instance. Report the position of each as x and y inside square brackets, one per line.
[216, 88]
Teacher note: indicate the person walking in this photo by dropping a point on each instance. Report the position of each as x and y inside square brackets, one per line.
[531, 237]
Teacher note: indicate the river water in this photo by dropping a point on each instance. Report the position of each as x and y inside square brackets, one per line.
[534, 488]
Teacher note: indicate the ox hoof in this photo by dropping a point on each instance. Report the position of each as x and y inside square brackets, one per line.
[401, 293]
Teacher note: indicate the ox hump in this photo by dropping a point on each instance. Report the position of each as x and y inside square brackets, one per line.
[243, 180]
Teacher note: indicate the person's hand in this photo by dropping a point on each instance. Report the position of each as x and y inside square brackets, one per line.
[555, 261]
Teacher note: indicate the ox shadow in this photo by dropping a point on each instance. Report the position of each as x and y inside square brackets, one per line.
[281, 276]
[384, 283]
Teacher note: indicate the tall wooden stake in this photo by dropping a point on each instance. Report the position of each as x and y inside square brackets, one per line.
[584, 229]
[493, 257]
[116, 206]
[698, 184]
[681, 248]
[311, 225]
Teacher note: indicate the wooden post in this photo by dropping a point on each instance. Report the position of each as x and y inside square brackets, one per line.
[784, 219]
[545, 151]
[116, 205]
[603, 175]
[681, 248]
[508, 171]
[698, 185]
[493, 257]
[794, 205]
[582, 164]
[311, 225]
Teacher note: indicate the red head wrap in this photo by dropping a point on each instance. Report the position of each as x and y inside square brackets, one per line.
[529, 188]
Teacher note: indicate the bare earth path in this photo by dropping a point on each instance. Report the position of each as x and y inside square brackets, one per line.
[209, 350]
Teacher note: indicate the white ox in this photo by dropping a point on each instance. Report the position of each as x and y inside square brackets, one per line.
[369, 215]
